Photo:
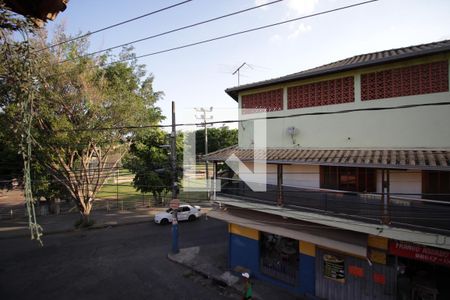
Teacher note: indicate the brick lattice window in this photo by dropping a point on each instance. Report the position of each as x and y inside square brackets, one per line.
[270, 100]
[406, 81]
[322, 93]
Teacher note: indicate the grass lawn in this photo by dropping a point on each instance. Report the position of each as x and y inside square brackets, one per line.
[125, 195]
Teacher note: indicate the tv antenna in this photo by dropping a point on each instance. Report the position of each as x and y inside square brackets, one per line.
[238, 71]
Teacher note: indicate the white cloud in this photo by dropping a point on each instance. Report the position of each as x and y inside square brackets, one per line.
[302, 28]
[276, 38]
[301, 6]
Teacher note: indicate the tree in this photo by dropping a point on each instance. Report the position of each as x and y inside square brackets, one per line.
[218, 138]
[83, 108]
[11, 163]
[149, 160]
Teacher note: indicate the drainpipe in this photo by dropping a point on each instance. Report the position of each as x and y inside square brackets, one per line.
[280, 185]
[385, 196]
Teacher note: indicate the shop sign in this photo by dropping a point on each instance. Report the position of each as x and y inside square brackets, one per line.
[379, 278]
[418, 252]
[376, 256]
[356, 271]
[334, 268]
[378, 242]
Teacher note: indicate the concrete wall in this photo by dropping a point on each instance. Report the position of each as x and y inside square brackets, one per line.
[405, 127]
[302, 176]
[408, 183]
[403, 183]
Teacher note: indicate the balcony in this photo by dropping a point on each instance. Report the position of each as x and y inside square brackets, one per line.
[418, 215]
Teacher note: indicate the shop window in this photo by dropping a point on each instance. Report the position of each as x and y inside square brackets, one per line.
[279, 257]
[436, 185]
[348, 179]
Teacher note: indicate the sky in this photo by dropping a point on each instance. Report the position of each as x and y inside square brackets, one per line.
[197, 76]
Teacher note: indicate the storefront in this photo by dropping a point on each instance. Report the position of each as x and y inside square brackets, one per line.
[283, 261]
[423, 272]
[328, 264]
[343, 276]
[279, 257]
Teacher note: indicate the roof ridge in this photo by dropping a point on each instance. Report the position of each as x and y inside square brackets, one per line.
[352, 62]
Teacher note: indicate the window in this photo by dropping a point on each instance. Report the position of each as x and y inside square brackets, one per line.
[436, 185]
[348, 179]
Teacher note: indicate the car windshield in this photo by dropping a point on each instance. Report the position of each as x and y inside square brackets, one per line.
[169, 210]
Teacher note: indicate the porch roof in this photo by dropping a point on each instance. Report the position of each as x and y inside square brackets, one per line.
[424, 159]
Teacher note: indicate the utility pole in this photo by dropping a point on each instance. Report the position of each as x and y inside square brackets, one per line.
[174, 203]
[238, 71]
[173, 154]
[204, 117]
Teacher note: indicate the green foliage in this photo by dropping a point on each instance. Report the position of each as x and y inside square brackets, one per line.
[150, 162]
[75, 103]
[218, 138]
[11, 162]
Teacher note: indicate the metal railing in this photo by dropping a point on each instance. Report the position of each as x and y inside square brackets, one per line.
[401, 211]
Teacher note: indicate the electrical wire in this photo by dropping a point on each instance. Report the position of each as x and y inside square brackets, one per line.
[384, 108]
[229, 35]
[115, 25]
[254, 29]
[174, 30]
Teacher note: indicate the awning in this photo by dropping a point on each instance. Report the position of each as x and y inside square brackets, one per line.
[353, 243]
[424, 159]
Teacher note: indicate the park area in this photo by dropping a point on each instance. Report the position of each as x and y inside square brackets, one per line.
[118, 193]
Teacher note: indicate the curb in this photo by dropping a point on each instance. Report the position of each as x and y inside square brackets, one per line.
[206, 275]
[73, 230]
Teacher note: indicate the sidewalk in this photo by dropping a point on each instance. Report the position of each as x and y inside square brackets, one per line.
[52, 224]
[211, 262]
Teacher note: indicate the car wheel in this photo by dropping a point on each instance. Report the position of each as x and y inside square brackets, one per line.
[192, 218]
[164, 222]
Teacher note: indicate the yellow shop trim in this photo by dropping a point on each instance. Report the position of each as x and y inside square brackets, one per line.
[244, 231]
[378, 242]
[307, 248]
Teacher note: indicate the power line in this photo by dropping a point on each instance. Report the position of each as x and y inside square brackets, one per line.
[228, 35]
[115, 25]
[174, 30]
[253, 29]
[263, 118]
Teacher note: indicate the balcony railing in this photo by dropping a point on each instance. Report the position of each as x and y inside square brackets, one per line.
[400, 211]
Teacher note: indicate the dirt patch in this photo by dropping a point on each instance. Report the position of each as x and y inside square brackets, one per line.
[11, 197]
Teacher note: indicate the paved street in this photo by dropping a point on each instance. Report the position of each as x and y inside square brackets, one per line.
[126, 262]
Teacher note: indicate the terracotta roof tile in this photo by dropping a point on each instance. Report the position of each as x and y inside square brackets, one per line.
[438, 159]
[350, 63]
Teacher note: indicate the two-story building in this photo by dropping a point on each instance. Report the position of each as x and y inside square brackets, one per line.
[358, 178]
